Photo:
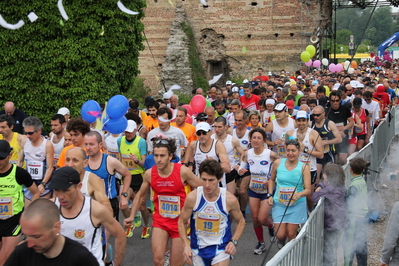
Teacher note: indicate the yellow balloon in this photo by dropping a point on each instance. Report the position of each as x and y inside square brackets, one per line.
[305, 56]
[311, 50]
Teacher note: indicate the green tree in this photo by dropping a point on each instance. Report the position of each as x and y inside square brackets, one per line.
[343, 36]
[52, 63]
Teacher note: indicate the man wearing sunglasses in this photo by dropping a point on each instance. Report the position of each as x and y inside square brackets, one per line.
[373, 107]
[12, 180]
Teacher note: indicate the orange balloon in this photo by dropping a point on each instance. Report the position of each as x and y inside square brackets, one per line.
[354, 64]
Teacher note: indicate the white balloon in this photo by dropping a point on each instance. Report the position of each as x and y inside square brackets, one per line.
[324, 61]
[351, 70]
[347, 64]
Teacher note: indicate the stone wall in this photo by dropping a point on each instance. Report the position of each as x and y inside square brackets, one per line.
[235, 37]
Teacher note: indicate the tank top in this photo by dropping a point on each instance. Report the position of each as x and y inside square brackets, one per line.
[287, 181]
[58, 147]
[324, 133]
[128, 148]
[363, 118]
[84, 189]
[169, 195]
[109, 179]
[259, 166]
[210, 221]
[200, 156]
[228, 144]
[306, 157]
[112, 146]
[279, 133]
[82, 230]
[244, 141]
[11, 195]
[35, 158]
[15, 148]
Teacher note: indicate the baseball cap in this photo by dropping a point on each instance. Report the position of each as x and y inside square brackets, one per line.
[270, 101]
[202, 116]
[290, 104]
[131, 126]
[228, 82]
[280, 107]
[5, 148]
[301, 114]
[254, 83]
[336, 86]
[315, 82]
[63, 178]
[299, 77]
[357, 102]
[235, 89]
[245, 81]
[63, 111]
[202, 126]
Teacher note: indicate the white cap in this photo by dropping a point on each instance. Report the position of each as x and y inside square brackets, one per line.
[301, 114]
[270, 101]
[336, 86]
[203, 126]
[269, 74]
[131, 126]
[63, 111]
[245, 81]
[235, 89]
[228, 82]
[299, 77]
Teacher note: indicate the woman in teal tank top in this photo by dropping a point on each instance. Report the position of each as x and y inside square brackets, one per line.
[291, 179]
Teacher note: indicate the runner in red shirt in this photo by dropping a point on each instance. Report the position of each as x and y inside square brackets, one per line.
[249, 100]
[260, 75]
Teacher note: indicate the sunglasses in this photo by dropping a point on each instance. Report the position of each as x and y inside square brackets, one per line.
[367, 100]
[162, 141]
[334, 101]
[201, 132]
[30, 133]
[316, 115]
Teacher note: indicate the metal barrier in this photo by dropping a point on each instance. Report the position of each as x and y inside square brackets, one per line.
[307, 247]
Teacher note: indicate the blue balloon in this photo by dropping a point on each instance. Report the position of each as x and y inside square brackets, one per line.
[90, 111]
[117, 107]
[115, 126]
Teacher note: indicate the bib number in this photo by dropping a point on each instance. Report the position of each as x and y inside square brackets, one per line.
[257, 184]
[128, 163]
[35, 169]
[169, 206]
[6, 208]
[304, 157]
[114, 153]
[284, 195]
[208, 224]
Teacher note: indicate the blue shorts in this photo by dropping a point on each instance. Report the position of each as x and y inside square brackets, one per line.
[253, 194]
[209, 255]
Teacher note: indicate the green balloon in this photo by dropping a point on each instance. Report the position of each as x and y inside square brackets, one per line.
[305, 56]
[311, 50]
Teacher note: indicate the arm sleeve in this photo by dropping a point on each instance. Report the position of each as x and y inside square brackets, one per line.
[391, 235]
[23, 177]
[143, 147]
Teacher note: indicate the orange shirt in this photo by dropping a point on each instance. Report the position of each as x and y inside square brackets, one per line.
[188, 130]
[62, 160]
[151, 123]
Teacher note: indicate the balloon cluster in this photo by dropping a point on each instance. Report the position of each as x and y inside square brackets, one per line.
[380, 60]
[115, 121]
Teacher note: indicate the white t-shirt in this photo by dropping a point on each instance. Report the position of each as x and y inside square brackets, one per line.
[173, 133]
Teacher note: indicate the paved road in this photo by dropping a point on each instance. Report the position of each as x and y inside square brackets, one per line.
[138, 251]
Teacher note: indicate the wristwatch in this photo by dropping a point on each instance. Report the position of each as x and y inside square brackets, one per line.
[306, 150]
[235, 242]
[124, 194]
[137, 161]
[268, 195]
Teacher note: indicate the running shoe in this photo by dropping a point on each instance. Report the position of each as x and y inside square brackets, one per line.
[280, 243]
[260, 247]
[137, 220]
[129, 231]
[145, 233]
[167, 258]
[271, 233]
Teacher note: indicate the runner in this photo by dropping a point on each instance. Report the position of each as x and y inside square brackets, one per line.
[57, 135]
[167, 179]
[211, 209]
[15, 139]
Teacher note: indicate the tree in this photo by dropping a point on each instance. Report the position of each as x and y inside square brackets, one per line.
[343, 36]
[51, 63]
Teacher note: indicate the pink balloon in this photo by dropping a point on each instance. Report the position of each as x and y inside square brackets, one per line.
[189, 119]
[316, 63]
[378, 64]
[338, 68]
[377, 58]
[309, 63]
[372, 54]
[198, 103]
[189, 109]
[331, 67]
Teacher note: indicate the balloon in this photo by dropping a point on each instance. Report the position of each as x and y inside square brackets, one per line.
[377, 58]
[90, 111]
[198, 103]
[189, 109]
[378, 64]
[385, 52]
[316, 63]
[347, 64]
[351, 70]
[189, 119]
[331, 67]
[354, 64]
[309, 63]
[338, 68]
[311, 50]
[324, 61]
[117, 107]
[385, 57]
[372, 54]
[115, 126]
[305, 56]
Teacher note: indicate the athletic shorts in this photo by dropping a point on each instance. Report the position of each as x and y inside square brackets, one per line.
[353, 141]
[137, 180]
[253, 194]
[210, 255]
[28, 195]
[363, 137]
[247, 173]
[170, 227]
[328, 158]
[10, 226]
[313, 175]
[115, 207]
[232, 176]
[343, 146]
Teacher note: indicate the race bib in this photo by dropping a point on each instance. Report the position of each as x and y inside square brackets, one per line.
[35, 169]
[326, 147]
[128, 162]
[285, 194]
[6, 208]
[257, 184]
[169, 206]
[281, 147]
[114, 153]
[208, 224]
[304, 157]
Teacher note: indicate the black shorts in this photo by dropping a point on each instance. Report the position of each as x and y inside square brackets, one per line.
[232, 176]
[313, 175]
[247, 173]
[363, 137]
[137, 180]
[115, 207]
[343, 146]
[10, 226]
[328, 158]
